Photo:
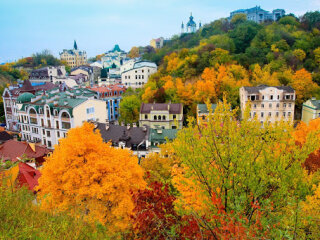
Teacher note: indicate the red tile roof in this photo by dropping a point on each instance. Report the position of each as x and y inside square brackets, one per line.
[11, 150]
[28, 176]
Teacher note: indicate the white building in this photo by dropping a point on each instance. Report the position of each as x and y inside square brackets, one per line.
[47, 74]
[270, 104]
[46, 117]
[139, 74]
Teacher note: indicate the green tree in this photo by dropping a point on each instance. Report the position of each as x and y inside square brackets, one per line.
[129, 109]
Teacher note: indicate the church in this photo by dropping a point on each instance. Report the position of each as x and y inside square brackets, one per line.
[191, 26]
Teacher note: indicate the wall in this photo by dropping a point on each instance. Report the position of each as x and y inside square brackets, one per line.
[80, 112]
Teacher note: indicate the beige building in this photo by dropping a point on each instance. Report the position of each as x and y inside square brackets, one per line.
[157, 43]
[310, 110]
[203, 112]
[268, 103]
[161, 115]
[74, 57]
[46, 117]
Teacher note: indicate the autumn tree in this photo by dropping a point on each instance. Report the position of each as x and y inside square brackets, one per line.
[129, 109]
[88, 178]
[134, 52]
[245, 166]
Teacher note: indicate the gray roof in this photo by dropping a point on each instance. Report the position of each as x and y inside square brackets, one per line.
[202, 108]
[316, 103]
[116, 133]
[162, 134]
[261, 87]
[174, 108]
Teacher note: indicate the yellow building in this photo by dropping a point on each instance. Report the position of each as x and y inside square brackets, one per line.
[157, 43]
[310, 110]
[203, 112]
[161, 115]
[74, 57]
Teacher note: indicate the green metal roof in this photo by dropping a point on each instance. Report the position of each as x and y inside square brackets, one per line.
[161, 135]
[316, 103]
[25, 97]
[202, 108]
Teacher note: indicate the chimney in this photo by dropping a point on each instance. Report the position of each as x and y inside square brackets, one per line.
[122, 124]
[32, 146]
[134, 125]
[128, 126]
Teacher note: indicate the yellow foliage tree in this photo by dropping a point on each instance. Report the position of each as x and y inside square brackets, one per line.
[88, 178]
[263, 76]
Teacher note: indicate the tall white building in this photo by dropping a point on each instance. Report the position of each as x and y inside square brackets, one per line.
[268, 103]
[139, 74]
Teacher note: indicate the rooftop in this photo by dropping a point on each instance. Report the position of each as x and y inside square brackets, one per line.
[257, 89]
[174, 108]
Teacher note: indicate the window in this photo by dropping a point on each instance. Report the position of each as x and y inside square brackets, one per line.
[262, 114]
[262, 105]
[254, 105]
[136, 77]
[289, 114]
[58, 134]
[174, 116]
[48, 133]
[289, 105]
[57, 124]
[154, 117]
[269, 114]
[278, 96]
[254, 114]
[284, 105]
[142, 70]
[90, 110]
[262, 97]
[271, 97]
[278, 105]
[277, 114]
[49, 144]
[159, 117]
[270, 105]
[174, 127]
[163, 118]
[284, 114]
[145, 116]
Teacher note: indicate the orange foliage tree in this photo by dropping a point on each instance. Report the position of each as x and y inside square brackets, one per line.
[88, 178]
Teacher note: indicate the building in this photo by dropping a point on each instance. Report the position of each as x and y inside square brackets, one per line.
[203, 112]
[310, 110]
[47, 116]
[157, 43]
[258, 15]
[126, 137]
[16, 151]
[116, 57]
[83, 74]
[112, 94]
[5, 136]
[139, 74]
[47, 74]
[160, 136]
[74, 57]
[110, 76]
[191, 26]
[161, 115]
[10, 96]
[268, 103]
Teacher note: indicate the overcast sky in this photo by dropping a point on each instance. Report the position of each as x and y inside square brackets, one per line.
[29, 26]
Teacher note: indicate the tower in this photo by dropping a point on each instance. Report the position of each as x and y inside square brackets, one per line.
[191, 25]
[182, 28]
[75, 47]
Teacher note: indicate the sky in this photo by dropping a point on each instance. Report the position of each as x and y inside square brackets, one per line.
[29, 26]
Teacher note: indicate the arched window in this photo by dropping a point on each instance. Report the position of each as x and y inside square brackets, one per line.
[159, 117]
[65, 115]
[163, 117]
[155, 117]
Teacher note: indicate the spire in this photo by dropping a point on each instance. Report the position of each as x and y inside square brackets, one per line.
[200, 25]
[182, 25]
[75, 45]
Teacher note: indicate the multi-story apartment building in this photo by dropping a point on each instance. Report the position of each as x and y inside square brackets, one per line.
[268, 103]
[139, 74]
[46, 117]
[47, 74]
[310, 110]
[258, 15]
[10, 96]
[112, 94]
[74, 57]
[161, 115]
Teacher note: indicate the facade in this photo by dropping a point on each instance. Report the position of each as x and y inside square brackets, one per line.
[46, 117]
[310, 110]
[112, 94]
[126, 137]
[258, 15]
[139, 74]
[270, 104]
[74, 57]
[160, 136]
[83, 74]
[203, 112]
[157, 43]
[109, 76]
[10, 96]
[47, 74]
[161, 115]
[191, 26]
